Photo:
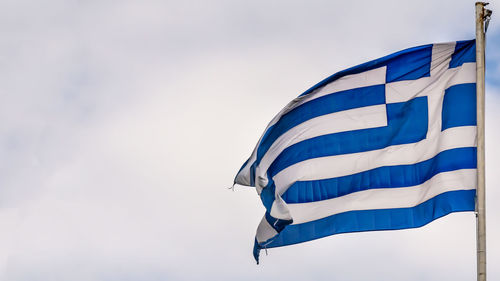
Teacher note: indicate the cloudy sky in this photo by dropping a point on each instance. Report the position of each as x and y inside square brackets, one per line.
[123, 123]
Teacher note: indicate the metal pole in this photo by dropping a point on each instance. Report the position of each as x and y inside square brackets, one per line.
[480, 194]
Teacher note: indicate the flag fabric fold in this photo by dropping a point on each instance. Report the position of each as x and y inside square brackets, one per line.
[389, 144]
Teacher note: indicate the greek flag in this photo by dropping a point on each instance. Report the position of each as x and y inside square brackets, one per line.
[388, 144]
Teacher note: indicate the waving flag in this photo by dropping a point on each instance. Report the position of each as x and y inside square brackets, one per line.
[389, 144]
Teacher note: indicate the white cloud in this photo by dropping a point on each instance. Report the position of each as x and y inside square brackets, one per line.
[123, 124]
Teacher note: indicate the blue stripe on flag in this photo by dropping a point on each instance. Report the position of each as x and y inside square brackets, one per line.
[242, 166]
[465, 51]
[407, 123]
[410, 66]
[459, 106]
[383, 177]
[381, 219]
[275, 223]
[267, 196]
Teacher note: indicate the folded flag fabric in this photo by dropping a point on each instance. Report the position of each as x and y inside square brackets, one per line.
[388, 144]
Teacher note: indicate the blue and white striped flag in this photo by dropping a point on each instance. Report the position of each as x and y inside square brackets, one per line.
[388, 144]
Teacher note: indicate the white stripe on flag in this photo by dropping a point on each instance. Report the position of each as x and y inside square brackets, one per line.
[441, 57]
[364, 79]
[386, 198]
[265, 231]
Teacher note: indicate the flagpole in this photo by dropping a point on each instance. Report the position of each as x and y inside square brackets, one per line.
[480, 193]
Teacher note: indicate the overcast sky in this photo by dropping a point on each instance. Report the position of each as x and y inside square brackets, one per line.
[122, 123]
